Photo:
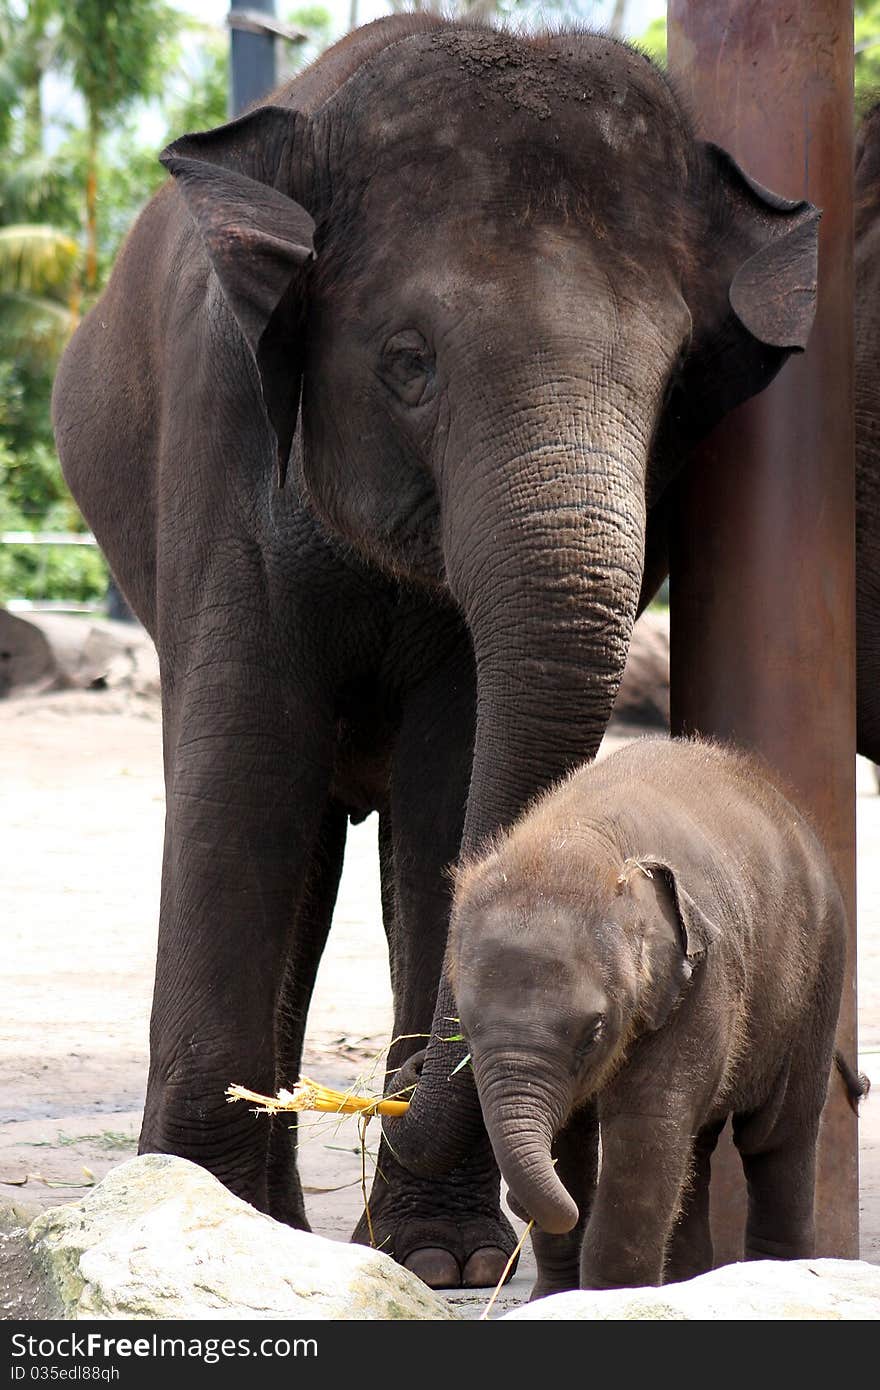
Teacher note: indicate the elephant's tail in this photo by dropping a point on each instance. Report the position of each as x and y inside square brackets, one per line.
[857, 1084]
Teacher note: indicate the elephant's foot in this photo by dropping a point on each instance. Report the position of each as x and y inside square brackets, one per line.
[558, 1260]
[284, 1188]
[449, 1231]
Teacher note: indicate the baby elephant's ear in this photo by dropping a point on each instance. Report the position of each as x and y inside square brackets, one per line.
[677, 934]
[697, 930]
[258, 240]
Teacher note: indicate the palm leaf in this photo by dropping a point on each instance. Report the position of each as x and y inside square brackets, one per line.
[34, 326]
[37, 260]
[32, 187]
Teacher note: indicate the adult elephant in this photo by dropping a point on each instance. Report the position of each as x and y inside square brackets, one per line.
[509, 288]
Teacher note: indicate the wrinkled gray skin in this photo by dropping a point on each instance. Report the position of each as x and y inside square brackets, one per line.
[867, 422]
[659, 942]
[510, 289]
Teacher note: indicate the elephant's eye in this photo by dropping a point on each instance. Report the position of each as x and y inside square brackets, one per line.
[408, 367]
[589, 1037]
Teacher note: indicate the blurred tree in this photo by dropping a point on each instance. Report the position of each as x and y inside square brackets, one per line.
[318, 23]
[653, 40]
[204, 99]
[618, 19]
[38, 267]
[115, 51]
[25, 50]
[867, 37]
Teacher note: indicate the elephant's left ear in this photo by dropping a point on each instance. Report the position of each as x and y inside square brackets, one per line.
[696, 929]
[753, 299]
[676, 933]
[258, 241]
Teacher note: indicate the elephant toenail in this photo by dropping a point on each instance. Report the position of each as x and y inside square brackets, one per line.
[436, 1268]
[485, 1267]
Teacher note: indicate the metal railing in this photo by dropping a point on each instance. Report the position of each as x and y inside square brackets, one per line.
[48, 538]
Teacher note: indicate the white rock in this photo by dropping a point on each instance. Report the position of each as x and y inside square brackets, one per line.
[759, 1290]
[162, 1238]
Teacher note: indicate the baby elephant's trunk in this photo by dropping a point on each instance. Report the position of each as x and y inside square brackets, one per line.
[524, 1105]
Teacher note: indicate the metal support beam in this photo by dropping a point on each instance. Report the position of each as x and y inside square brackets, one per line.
[252, 53]
[762, 566]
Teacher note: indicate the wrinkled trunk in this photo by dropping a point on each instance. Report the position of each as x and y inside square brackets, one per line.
[525, 1102]
[544, 556]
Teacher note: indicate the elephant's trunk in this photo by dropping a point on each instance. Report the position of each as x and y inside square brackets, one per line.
[525, 1101]
[546, 560]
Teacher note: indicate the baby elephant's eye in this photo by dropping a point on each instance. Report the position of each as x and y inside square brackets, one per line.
[589, 1037]
[408, 367]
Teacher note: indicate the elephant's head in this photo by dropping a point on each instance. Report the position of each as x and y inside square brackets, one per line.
[510, 289]
[562, 956]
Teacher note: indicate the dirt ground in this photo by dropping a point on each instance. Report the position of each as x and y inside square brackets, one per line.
[82, 820]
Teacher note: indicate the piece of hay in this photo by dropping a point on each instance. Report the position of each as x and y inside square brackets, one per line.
[311, 1095]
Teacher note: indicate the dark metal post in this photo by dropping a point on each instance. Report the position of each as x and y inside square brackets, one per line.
[762, 569]
[252, 67]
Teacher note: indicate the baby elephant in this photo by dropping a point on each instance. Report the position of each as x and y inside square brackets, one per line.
[658, 944]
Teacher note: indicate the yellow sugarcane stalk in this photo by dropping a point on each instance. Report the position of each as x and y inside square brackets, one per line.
[311, 1095]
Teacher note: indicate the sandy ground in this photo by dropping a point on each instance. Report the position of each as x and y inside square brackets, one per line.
[83, 808]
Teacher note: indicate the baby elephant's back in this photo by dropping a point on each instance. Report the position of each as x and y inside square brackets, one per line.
[757, 868]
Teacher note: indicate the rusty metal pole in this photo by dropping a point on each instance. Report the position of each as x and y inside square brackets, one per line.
[762, 588]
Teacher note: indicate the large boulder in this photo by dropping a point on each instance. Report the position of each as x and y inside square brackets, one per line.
[27, 662]
[760, 1291]
[49, 652]
[162, 1238]
[100, 654]
[643, 698]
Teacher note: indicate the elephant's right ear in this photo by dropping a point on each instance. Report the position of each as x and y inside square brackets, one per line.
[258, 241]
[753, 295]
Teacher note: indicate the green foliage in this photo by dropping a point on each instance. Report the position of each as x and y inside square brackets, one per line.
[115, 50]
[119, 55]
[653, 40]
[204, 99]
[76, 573]
[316, 21]
[867, 37]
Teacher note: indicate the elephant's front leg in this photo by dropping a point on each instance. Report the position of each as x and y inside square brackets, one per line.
[450, 1231]
[645, 1163]
[690, 1248]
[248, 763]
[309, 939]
[576, 1154]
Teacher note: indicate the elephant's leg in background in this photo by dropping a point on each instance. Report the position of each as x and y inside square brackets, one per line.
[656, 563]
[449, 1231]
[868, 660]
[690, 1248]
[306, 948]
[867, 537]
[249, 754]
[645, 1163]
[576, 1151]
[781, 1182]
[781, 1185]
[777, 1142]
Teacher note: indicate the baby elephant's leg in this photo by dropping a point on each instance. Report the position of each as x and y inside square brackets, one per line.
[645, 1162]
[781, 1182]
[777, 1144]
[690, 1247]
[576, 1152]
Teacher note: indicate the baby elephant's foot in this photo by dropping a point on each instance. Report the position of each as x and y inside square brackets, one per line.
[558, 1261]
[449, 1231]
